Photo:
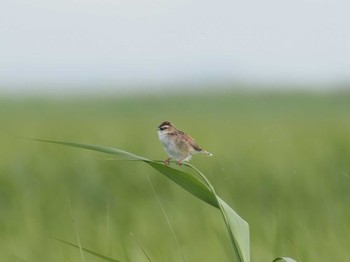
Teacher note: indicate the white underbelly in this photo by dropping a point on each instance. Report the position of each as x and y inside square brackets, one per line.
[171, 148]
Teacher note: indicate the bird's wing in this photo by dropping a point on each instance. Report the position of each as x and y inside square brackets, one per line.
[190, 141]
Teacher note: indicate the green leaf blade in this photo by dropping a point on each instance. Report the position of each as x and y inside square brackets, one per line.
[238, 230]
[187, 181]
[108, 150]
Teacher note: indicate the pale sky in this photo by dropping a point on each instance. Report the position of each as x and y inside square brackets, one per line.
[145, 42]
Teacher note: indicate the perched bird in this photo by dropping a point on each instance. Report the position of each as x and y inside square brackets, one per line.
[177, 144]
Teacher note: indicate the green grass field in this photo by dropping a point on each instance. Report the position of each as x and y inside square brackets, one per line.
[282, 161]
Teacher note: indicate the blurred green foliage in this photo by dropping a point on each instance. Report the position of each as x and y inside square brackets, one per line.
[280, 160]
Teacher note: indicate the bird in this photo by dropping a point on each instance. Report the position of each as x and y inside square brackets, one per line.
[177, 144]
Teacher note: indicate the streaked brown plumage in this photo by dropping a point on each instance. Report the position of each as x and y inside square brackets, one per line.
[178, 144]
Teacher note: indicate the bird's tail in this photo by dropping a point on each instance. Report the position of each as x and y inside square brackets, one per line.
[202, 151]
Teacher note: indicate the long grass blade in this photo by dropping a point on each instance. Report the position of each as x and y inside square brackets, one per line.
[187, 181]
[238, 229]
[141, 247]
[88, 251]
[109, 150]
[166, 218]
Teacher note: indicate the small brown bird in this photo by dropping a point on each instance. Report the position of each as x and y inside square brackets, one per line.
[177, 144]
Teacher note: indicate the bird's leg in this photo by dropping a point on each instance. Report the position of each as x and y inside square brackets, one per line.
[167, 161]
[179, 162]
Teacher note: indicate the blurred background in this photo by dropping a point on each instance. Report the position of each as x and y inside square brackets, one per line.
[264, 86]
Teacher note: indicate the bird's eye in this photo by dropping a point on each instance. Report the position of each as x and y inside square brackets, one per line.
[163, 127]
